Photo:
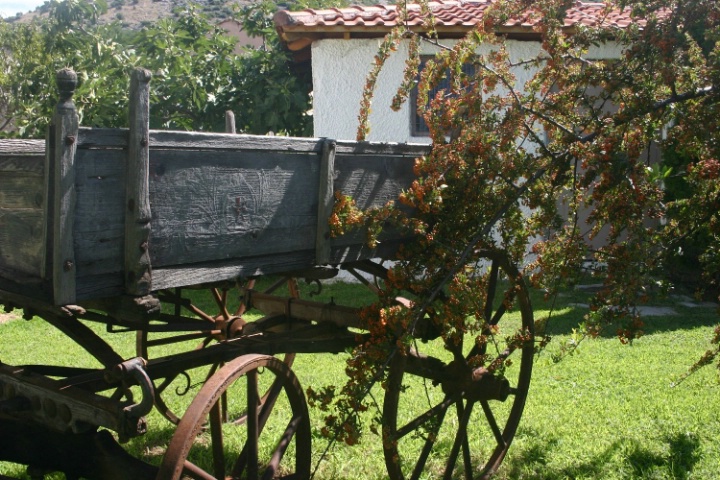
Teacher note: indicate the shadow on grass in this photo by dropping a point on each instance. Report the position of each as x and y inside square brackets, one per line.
[622, 459]
[572, 316]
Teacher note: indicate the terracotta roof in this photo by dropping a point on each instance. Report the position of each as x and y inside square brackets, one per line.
[456, 16]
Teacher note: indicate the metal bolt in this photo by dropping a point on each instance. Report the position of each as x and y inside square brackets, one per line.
[144, 142]
[69, 140]
[49, 408]
[64, 413]
[68, 265]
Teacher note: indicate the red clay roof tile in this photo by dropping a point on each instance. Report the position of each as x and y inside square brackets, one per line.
[448, 14]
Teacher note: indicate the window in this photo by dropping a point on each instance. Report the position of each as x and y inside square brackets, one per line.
[418, 127]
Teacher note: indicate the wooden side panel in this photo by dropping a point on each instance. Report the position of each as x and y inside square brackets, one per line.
[209, 206]
[372, 181]
[250, 213]
[22, 197]
[222, 206]
[99, 213]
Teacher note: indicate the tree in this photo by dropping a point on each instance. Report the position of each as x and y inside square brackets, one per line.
[513, 163]
[197, 74]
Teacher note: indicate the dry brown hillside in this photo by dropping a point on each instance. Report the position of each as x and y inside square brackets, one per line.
[135, 13]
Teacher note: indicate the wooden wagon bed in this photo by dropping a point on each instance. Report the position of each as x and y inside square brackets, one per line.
[102, 225]
[96, 213]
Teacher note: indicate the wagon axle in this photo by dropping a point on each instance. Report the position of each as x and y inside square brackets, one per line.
[459, 379]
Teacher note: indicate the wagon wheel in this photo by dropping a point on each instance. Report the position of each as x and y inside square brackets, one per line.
[217, 326]
[261, 447]
[444, 416]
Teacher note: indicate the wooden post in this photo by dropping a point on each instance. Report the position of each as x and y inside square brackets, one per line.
[64, 135]
[325, 202]
[230, 122]
[137, 192]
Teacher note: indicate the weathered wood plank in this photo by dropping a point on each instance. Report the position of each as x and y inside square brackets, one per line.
[372, 181]
[22, 146]
[21, 240]
[137, 192]
[209, 272]
[230, 122]
[231, 205]
[325, 203]
[65, 134]
[163, 139]
[90, 287]
[21, 190]
[21, 208]
[103, 138]
[386, 149]
[28, 164]
[99, 214]
[227, 141]
[224, 206]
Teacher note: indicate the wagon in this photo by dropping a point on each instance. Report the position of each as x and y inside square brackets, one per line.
[124, 226]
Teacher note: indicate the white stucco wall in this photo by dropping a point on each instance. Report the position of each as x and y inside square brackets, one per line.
[340, 69]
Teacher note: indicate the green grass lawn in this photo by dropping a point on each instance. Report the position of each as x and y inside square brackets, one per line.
[609, 411]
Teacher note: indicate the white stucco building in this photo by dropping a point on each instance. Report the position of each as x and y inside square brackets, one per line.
[339, 46]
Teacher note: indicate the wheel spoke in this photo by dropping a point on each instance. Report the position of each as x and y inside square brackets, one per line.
[193, 471]
[216, 434]
[221, 300]
[243, 306]
[429, 442]
[467, 459]
[438, 410]
[490, 416]
[282, 447]
[265, 411]
[252, 424]
[498, 314]
[491, 290]
[460, 438]
[219, 320]
[270, 399]
[165, 383]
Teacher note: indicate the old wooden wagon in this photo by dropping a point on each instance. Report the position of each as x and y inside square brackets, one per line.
[110, 225]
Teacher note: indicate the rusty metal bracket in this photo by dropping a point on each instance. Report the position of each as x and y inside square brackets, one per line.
[132, 372]
[135, 368]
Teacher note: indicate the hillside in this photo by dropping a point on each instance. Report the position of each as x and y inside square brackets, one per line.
[135, 13]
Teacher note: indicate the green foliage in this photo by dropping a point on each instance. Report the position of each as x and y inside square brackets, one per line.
[197, 74]
[549, 155]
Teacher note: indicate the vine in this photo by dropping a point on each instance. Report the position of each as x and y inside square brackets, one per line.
[522, 146]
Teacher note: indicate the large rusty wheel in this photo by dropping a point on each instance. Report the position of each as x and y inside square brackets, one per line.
[221, 317]
[446, 417]
[273, 442]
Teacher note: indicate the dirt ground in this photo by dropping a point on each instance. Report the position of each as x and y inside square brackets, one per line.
[4, 317]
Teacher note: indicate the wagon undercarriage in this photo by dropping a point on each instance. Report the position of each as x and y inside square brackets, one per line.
[127, 222]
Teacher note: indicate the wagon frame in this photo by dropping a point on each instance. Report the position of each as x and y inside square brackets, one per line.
[116, 222]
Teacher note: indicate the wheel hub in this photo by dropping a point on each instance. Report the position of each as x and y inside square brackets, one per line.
[474, 384]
